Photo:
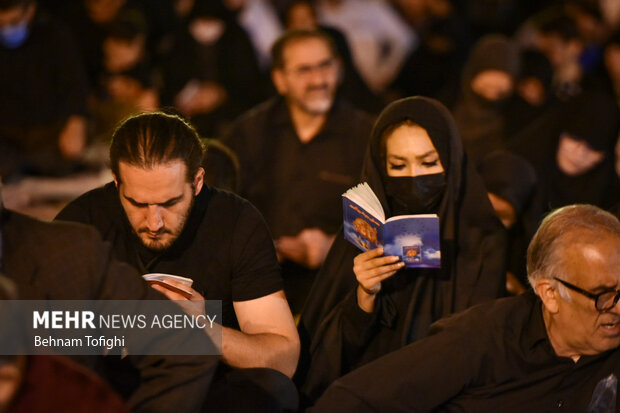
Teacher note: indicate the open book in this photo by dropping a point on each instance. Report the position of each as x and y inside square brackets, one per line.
[414, 238]
[161, 279]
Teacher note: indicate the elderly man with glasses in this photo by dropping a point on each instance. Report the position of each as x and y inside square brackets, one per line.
[553, 348]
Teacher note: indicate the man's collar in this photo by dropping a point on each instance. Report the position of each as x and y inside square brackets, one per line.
[281, 117]
[535, 331]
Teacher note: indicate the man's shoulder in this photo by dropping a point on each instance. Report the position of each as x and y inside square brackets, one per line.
[343, 109]
[503, 316]
[260, 113]
[230, 204]
[31, 239]
[95, 207]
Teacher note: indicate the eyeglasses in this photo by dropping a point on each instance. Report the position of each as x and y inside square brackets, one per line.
[604, 301]
[307, 70]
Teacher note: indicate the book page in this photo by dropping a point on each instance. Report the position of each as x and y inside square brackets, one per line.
[364, 196]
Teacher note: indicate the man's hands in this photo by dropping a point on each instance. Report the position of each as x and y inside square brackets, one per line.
[268, 336]
[370, 268]
[192, 306]
[308, 248]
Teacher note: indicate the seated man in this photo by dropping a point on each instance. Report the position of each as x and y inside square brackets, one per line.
[298, 152]
[162, 218]
[557, 348]
[67, 261]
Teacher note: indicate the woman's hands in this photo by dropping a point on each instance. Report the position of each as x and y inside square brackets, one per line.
[370, 268]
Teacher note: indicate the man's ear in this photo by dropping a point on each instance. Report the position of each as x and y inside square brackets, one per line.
[116, 180]
[277, 76]
[199, 180]
[547, 293]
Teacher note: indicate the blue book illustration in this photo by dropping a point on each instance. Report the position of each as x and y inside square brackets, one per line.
[414, 238]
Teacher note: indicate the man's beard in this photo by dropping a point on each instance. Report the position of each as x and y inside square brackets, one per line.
[317, 106]
[160, 245]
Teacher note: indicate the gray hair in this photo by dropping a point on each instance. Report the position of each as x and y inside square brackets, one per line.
[573, 223]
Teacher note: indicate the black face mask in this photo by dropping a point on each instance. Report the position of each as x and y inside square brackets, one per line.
[415, 194]
[486, 104]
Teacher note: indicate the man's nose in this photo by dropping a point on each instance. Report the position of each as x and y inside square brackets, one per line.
[154, 220]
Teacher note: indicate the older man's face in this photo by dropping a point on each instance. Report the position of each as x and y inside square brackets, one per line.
[157, 200]
[594, 267]
[309, 78]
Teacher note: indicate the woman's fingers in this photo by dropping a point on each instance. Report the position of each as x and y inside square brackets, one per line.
[376, 266]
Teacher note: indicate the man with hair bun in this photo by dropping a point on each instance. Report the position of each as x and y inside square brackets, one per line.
[161, 217]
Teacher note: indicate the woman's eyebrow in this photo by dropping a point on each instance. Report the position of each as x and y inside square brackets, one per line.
[431, 152]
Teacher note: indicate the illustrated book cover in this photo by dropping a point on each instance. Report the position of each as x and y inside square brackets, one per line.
[414, 238]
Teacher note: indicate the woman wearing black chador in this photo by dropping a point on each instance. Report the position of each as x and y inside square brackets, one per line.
[364, 305]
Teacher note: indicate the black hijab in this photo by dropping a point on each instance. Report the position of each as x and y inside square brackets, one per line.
[482, 122]
[593, 117]
[472, 243]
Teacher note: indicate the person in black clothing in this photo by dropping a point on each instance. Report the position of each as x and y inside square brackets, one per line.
[363, 306]
[44, 90]
[69, 261]
[210, 73]
[301, 14]
[161, 217]
[511, 184]
[572, 150]
[533, 92]
[299, 152]
[557, 348]
[487, 86]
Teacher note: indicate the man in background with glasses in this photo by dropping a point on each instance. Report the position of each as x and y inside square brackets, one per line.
[299, 152]
[556, 347]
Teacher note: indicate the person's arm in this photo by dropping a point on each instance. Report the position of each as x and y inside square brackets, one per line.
[268, 336]
[419, 377]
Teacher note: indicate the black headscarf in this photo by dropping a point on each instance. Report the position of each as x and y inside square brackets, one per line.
[472, 244]
[481, 122]
[510, 177]
[593, 117]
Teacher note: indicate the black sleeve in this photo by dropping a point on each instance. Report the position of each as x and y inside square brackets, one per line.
[416, 378]
[256, 271]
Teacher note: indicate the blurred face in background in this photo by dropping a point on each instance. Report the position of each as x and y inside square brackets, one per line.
[11, 376]
[15, 25]
[309, 76]
[575, 156]
[504, 210]
[612, 62]
[103, 11]
[301, 16]
[532, 91]
[492, 85]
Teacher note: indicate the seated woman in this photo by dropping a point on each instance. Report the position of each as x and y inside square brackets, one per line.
[362, 306]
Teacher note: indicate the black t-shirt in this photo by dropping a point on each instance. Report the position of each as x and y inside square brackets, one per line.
[490, 358]
[299, 185]
[225, 246]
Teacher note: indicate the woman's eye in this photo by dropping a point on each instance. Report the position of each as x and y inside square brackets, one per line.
[397, 166]
[430, 164]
